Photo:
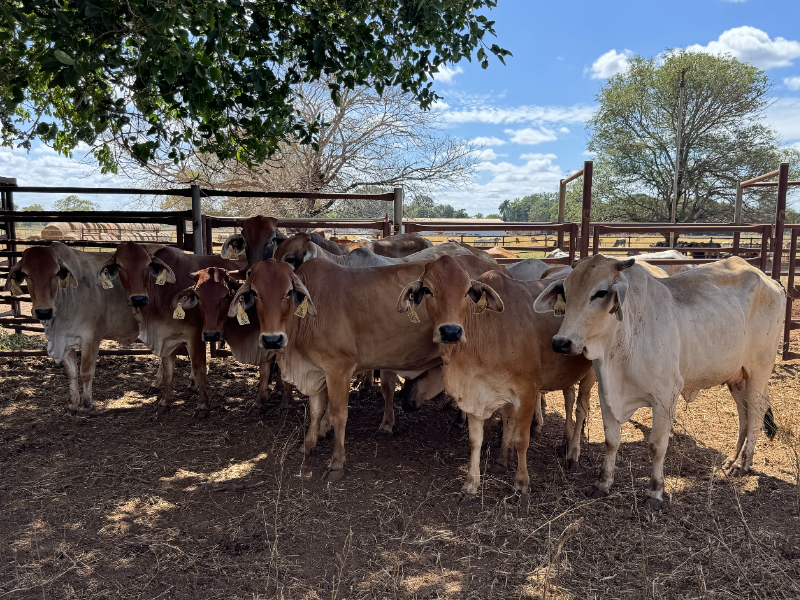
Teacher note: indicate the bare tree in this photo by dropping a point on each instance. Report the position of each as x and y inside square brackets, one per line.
[366, 142]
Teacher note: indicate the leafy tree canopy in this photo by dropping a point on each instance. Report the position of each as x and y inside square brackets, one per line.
[165, 76]
[29, 208]
[74, 203]
[425, 207]
[541, 207]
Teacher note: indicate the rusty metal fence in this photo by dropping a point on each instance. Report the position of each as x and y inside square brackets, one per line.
[793, 292]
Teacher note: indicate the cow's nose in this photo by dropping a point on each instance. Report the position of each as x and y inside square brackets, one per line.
[273, 342]
[450, 333]
[138, 301]
[211, 336]
[562, 345]
[44, 314]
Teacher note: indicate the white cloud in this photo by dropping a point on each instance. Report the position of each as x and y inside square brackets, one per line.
[610, 63]
[446, 74]
[487, 141]
[564, 130]
[484, 113]
[754, 46]
[439, 105]
[486, 154]
[532, 136]
[793, 83]
[784, 116]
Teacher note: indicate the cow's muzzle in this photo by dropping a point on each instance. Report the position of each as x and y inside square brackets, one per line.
[139, 301]
[273, 341]
[562, 345]
[44, 314]
[211, 336]
[450, 334]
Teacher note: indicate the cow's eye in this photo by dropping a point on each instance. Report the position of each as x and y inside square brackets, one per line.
[599, 294]
[289, 293]
[426, 291]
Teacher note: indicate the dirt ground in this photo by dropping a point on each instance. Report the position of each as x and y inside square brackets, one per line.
[126, 504]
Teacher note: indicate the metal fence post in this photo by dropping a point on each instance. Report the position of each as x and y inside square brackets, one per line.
[562, 203]
[197, 227]
[398, 210]
[780, 218]
[586, 212]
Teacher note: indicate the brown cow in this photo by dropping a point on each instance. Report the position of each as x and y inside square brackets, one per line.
[496, 353]
[152, 276]
[77, 313]
[211, 296]
[257, 241]
[344, 320]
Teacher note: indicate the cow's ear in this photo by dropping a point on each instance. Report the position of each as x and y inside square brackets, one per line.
[619, 289]
[158, 268]
[15, 276]
[547, 299]
[110, 269]
[301, 293]
[233, 246]
[243, 296]
[68, 279]
[410, 296]
[187, 298]
[484, 297]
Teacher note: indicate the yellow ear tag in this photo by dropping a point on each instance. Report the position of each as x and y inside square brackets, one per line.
[302, 309]
[179, 312]
[15, 289]
[241, 316]
[481, 304]
[105, 281]
[162, 277]
[560, 307]
[65, 283]
[412, 314]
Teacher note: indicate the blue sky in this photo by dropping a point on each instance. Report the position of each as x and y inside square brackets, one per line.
[530, 115]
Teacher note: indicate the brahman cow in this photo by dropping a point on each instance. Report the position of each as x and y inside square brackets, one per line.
[327, 322]
[648, 256]
[152, 276]
[211, 296]
[496, 353]
[75, 310]
[652, 340]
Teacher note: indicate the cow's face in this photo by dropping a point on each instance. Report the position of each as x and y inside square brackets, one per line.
[278, 295]
[258, 240]
[211, 295]
[134, 267]
[296, 250]
[45, 273]
[594, 295]
[449, 292]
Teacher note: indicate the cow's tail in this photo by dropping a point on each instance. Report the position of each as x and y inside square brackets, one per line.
[770, 427]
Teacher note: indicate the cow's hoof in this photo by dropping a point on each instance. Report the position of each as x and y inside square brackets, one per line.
[737, 470]
[497, 468]
[524, 498]
[655, 503]
[596, 492]
[332, 475]
[561, 449]
[466, 499]
[201, 413]
[162, 410]
[382, 434]
[85, 411]
[572, 464]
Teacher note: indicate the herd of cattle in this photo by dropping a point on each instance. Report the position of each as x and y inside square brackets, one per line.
[444, 318]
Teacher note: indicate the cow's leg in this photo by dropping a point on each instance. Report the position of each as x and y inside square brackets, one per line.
[756, 398]
[197, 355]
[569, 424]
[522, 440]
[264, 371]
[581, 414]
[168, 370]
[317, 406]
[503, 460]
[657, 447]
[613, 432]
[538, 414]
[458, 423]
[89, 352]
[287, 401]
[365, 381]
[338, 383]
[469, 490]
[71, 367]
[741, 411]
[388, 383]
[159, 378]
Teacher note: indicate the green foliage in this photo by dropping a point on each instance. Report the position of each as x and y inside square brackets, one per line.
[424, 207]
[73, 203]
[541, 207]
[11, 341]
[164, 76]
[724, 140]
[492, 216]
[31, 207]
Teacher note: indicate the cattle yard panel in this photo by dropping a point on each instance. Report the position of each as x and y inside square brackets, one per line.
[793, 293]
[560, 228]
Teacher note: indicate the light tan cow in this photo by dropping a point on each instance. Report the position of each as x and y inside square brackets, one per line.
[496, 353]
[652, 340]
